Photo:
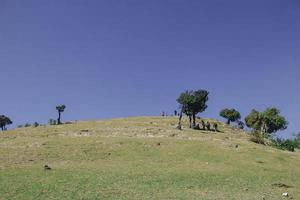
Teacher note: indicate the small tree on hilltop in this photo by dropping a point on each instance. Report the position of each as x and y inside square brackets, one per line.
[192, 103]
[267, 122]
[60, 109]
[231, 115]
[4, 121]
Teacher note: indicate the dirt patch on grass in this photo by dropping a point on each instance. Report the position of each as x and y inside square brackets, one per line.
[281, 185]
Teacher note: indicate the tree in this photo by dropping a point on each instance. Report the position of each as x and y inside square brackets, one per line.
[231, 115]
[60, 109]
[254, 120]
[192, 103]
[267, 122]
[4, 121]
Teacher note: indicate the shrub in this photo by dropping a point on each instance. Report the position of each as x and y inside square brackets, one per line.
[288, 145]
[52, 122]
[297, 140]
[257, 138]
[27, 125]
[35, 124]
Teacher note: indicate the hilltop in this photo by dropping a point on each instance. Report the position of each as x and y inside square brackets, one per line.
[142, 158]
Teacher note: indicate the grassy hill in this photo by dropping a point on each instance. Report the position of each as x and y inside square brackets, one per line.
[142, 158]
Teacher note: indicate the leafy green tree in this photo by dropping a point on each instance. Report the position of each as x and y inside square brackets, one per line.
[267, 122]
[231, 115]
[60, 109]
[273, 121]
[192, 103]
[254, 120]
[4, 121]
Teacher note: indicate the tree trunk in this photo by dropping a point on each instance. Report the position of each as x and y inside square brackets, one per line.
[58, 120]
[180, 117]
[2, 128]
[263, 129]
[179, 121]
[190, 119]
[228, 121]
[194, 120]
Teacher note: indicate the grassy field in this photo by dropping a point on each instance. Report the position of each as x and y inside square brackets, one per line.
[142, 158]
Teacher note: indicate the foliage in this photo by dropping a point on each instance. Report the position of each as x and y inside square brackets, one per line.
[273, 121]
[4, 121]
[257, 138]
[267, 122]
[52, 122]
[231, 115]
[297, 140]
[27, 125]
[288, 144]
[60, 109]
[254, 120]
[192, 103]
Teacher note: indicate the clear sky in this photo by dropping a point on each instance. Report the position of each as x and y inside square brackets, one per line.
[119, 58]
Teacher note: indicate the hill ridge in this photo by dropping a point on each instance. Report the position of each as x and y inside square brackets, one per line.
[142, 158]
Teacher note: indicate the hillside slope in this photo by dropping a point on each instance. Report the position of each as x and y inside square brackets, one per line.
[142, 158]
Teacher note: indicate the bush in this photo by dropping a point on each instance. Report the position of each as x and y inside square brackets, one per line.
[27, 125]
[35, 124]
[52, 122]
[288, 145]
[297, 140]
[257, 138]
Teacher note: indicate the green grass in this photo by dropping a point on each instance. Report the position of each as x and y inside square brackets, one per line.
[142, 158]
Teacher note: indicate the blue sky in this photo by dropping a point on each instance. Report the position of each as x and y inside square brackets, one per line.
[112, 58]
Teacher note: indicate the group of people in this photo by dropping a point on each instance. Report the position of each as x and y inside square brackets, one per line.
[207, 126]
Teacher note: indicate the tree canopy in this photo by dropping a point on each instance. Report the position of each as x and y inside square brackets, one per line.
[4, 121]
[231, 115]
[267, 122]
[192, 103]
[60, 109]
